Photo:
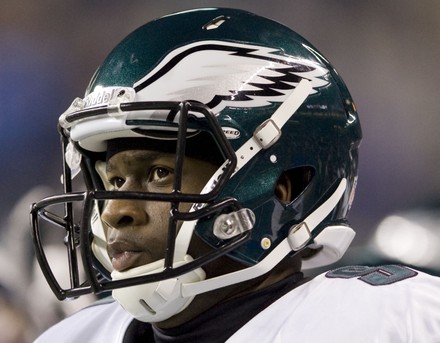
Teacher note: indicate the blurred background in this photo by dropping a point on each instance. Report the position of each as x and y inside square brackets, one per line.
[386, 51]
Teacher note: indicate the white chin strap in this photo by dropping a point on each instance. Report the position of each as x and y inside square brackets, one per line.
[155, 302]
[159, 301]
[298, 238]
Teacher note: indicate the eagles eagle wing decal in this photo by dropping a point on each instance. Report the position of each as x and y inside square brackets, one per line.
[228, 74]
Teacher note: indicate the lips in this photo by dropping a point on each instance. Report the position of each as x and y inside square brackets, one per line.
[125, 255]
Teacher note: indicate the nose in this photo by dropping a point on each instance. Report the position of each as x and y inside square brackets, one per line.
[123, 213]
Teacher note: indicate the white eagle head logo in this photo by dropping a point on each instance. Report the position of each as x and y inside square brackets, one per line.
[221, 74]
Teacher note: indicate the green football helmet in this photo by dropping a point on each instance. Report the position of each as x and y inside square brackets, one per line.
[227, 86]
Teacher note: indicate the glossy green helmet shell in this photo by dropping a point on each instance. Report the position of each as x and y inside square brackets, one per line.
[323, 135]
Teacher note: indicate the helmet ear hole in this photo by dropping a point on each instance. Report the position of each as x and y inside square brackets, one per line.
[293, 182]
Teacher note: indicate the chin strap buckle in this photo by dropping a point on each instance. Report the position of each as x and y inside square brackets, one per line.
[299, 236]
[267, 134]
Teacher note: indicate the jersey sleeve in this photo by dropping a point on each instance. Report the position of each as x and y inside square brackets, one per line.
[353, 304]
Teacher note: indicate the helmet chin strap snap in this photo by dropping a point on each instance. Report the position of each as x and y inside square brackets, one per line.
[229, 225]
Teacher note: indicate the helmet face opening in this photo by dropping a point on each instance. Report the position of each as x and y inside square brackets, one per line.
[238, 91]
[85, 241]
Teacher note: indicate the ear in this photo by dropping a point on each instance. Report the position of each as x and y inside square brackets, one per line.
[283, 189]
[293, 182]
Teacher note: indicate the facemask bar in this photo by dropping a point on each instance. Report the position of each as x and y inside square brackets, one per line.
[71, 240]
[80, 235]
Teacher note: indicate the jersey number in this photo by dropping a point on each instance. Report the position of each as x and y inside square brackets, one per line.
[376, 276]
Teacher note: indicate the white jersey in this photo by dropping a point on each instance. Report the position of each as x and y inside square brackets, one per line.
[350, 304]
[354, 304]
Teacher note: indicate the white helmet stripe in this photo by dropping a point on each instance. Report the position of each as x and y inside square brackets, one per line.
[274, 257]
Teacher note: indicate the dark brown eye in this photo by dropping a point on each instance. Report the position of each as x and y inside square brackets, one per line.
[159, 174]
[117, 182]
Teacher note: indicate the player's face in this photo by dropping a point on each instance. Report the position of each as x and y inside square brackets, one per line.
[137, 230]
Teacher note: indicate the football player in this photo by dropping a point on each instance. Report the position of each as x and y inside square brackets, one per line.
[219, 150]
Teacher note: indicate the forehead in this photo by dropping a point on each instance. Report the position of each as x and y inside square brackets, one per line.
[137, 157]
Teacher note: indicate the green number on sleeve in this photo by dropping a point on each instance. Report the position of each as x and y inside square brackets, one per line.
[376, 276]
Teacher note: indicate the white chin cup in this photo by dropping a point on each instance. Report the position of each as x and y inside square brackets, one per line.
[157, 301]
